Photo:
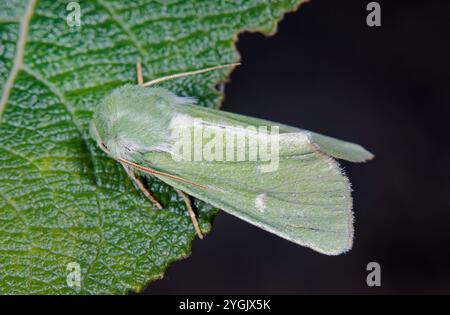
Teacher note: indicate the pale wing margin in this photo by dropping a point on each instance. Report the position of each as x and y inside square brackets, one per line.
[307, 200]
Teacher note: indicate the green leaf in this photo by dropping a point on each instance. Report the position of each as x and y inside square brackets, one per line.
[61, 200]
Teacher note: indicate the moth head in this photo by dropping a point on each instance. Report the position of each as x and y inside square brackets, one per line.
[101, 131]
[130, 119]
[100, 135]
[110, 143]
[114, 120]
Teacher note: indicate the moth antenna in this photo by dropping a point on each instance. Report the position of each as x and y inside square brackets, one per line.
[155, 172]
[188, 203]
[140, 78]
[189, 73]
[103, 148]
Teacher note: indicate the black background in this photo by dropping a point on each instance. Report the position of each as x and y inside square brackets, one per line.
[386, 88]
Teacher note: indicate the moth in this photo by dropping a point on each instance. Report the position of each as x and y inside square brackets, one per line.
[304, 198]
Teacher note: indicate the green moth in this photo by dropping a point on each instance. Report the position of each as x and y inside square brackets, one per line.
[282, 179]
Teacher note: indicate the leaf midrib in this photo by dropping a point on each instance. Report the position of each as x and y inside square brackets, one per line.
[18, 65]
[19, 54]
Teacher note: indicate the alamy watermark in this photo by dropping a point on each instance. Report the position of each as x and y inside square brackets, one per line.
[73, 18]
[73, 278]
[374, 17]
[199, 141]
[373, 278]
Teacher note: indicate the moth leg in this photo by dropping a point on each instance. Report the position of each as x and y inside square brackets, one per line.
[189, 73]
[187, 201]
[140, 78]
[141, 186]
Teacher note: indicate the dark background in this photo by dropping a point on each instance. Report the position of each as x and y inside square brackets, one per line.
[386, 88]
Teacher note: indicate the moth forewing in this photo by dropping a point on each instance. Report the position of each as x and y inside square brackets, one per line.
[306, 200]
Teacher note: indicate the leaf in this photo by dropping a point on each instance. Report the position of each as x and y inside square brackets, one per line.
[63, 204]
